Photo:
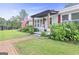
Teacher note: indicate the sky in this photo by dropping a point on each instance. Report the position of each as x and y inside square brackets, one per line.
[7, 10]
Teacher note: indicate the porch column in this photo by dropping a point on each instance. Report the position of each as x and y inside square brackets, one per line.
[48, 18]
[42, 22]
[69, 17]
[33, 21]
[42, 27]
[61, 18]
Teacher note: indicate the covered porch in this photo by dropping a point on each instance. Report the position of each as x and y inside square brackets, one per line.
[43, 19]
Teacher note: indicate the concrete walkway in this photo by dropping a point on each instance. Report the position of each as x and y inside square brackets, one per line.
[7, 46]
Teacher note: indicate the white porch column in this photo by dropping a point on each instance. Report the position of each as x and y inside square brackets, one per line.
[33, 21]
[69, 17]
[48, 18]
[42, 25]
[61, 18]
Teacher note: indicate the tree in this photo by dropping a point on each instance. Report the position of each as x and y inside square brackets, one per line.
[23, 14]
[2, 21]
[14, 22]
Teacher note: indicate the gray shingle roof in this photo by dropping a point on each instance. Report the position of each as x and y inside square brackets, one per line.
[45, 13]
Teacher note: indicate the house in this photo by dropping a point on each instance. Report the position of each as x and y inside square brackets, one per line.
[70, 12]
[42, 20]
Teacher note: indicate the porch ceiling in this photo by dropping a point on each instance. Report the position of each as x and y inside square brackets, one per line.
[45, 13]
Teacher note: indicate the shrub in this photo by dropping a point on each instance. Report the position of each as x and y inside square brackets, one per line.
[71, 31]
[28, 29]
[66, 31]
[19, 29]
[43, 33]
[36, 30]
[56, 32]
[23, 29]
[31, 29]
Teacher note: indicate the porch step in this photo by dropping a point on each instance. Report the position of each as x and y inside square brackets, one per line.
[37, 33]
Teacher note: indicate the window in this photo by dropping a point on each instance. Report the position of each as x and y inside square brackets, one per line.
[35, 23]
[75, 16]
[38, 25]
[65, 17]
[40, 22]
[50, 20]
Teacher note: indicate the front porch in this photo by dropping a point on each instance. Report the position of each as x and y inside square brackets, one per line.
[41, 23]
[43, 20]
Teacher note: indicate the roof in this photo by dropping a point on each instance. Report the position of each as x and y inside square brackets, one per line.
[70, 4]
[70, 9]
[45, 13]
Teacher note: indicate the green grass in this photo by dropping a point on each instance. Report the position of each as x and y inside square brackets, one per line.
[10, 34]
[44, 46]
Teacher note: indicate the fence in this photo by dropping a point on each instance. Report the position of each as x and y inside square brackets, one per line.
[7, 28]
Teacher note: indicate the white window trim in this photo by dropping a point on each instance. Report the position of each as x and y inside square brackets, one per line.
[65, 20]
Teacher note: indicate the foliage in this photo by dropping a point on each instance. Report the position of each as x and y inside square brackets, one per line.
[31, 29]
[71, 31]
[36, 29]
[56, 32]
[28, 29]
[65, 31]
[24, 29]
[2, 21]
[43, 33]
[14, 22]
[23, 14]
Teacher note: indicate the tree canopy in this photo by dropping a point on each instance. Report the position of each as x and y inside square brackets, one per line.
[23, 14]
[14, 21]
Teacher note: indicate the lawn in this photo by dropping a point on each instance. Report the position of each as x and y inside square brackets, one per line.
[43, 46]
[10, 34]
